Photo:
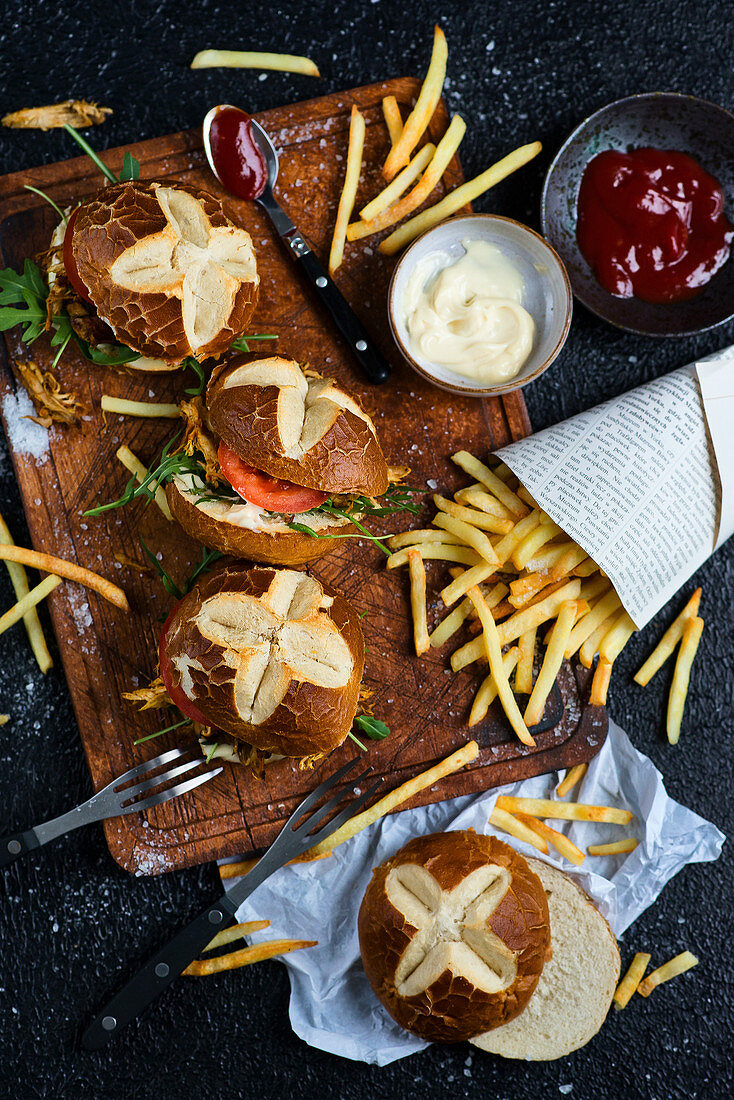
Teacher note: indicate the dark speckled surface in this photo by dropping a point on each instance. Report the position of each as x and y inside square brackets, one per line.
[72, 923]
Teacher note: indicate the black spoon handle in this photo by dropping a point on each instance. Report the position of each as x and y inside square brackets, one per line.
[362, 346]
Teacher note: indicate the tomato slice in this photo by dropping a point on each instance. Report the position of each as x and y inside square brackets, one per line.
[272, 493]
[175, 693]
[72, 272]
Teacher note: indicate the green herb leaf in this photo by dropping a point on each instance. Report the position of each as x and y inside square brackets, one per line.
[190, 363]
[158, 733]
[167, 580]
[208, 558]
[396, 499]
[211, 751]
[49, 200]
[130, 168]
[357, 741]
[241, 343]
[373, 727]
[107, 172]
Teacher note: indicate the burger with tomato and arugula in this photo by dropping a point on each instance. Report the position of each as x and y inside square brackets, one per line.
[277, 463]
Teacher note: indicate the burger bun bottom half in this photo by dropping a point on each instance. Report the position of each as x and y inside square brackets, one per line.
[575, 990]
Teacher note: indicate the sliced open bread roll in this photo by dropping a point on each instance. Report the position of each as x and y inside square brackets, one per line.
[573, 995]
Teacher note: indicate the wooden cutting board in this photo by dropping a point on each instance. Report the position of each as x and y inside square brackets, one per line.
[105, 652]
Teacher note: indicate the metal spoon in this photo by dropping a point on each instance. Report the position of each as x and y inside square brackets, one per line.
[361, 345]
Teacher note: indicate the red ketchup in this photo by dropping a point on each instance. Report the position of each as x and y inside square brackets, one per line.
[651, 224]
[238, 161]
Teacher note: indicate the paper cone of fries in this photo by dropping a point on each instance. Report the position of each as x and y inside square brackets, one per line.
[644, 482]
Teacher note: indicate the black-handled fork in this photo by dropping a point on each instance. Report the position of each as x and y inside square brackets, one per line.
[293, 840]
[117, 798]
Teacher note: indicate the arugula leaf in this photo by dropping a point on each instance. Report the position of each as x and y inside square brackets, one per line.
[240, 343]
[357, 741]
[107, 172]
[373, 727]
[208, 558]
[396, 499]
[167, 580]
[151, 736]
[130, 168]
[193, 364]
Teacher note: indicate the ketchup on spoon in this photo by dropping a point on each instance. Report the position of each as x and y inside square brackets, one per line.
[651, 224]
[237, 158]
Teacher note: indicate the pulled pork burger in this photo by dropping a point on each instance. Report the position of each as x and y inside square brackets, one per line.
[277, 464]
[156, 266]
[270, 656]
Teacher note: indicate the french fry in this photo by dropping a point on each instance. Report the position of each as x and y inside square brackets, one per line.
[616, 639]
[445, 151]
[671, 969]
[460, 585]
[681, 677]
[150, 409]
[23, 606]
[201, 968]
[526, 588]
[236, 932]
[505, 547]
[631, 980]
[419, 118]
[519, 623]
[68, 570]
[571, 778]
[607, 605]
[559, 841]
[392, 116]
[401, 183]
[243, 867]
[586, 568]
[476, 469]
[420, 536]
[455, 618]
[545, 559]
[591, 646]
[442, 552]
[478, 497]
[552, 661]
[488, 689]
[349, 190]
[543, 533]
[32, 623]
[132, 463]
[4, 719]
[417, 573]
[526, 659]
[490, 640]
[668, 642]
[614, 848]
[471, 536]
[501, 819]
[473, 516]
[254, 59]
[564, 811]
[459, 197]
[389, 802]
[594, 588]
[600, 683]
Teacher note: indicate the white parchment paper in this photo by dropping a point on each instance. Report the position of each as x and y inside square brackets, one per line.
[643, 482]
[332, 1007]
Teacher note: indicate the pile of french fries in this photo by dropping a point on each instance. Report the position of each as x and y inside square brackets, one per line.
[411, 176]
[523, 581]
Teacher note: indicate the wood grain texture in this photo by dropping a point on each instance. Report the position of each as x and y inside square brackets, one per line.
[105, 652]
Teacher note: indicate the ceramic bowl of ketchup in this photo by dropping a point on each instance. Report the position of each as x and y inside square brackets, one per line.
[670, 124]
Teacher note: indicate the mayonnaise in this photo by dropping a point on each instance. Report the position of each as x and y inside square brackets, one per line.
[467, 315]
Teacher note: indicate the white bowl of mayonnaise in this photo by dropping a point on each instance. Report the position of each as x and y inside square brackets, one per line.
[480, 305]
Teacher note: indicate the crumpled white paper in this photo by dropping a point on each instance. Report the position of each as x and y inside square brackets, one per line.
[332, 1006]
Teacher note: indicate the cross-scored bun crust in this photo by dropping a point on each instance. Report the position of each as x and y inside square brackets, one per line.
[166, 268]
[272, 656]
[575, 990]
[300, 427]
[509, 931]
[271, 545]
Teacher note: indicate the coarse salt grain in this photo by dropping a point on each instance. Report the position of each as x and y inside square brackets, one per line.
[25, 436]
